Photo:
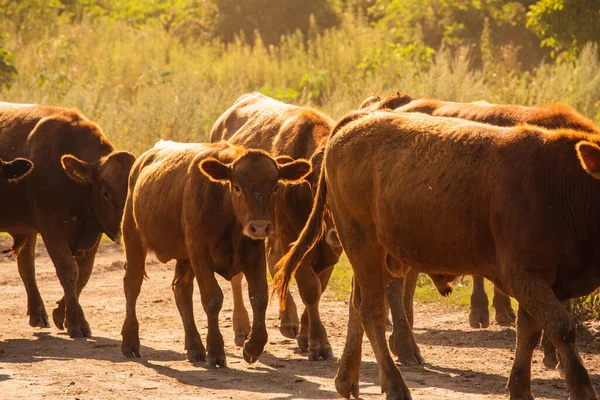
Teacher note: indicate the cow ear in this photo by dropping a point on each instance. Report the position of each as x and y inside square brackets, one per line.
[16, 169]
[215, 170]
[283, 159]
[589, 156]
[294, 171]
[78, 170]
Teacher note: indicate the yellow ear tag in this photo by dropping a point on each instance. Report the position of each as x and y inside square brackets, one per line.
[78, 174]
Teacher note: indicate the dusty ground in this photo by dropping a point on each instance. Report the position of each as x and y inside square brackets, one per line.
[462, 363]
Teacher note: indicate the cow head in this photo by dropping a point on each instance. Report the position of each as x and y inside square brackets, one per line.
[108, 177]
[589, 156]
[253, 182]
[15, 170]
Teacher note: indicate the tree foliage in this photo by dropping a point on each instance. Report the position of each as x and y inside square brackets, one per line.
[565, 26]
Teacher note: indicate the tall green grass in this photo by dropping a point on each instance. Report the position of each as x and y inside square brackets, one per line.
[141, 84]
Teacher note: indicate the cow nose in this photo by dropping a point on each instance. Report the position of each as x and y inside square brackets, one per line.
[258, 229]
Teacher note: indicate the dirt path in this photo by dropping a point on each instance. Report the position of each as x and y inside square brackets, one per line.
[462, 363]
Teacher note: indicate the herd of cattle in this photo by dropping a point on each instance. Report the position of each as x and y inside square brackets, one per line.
[402, 185]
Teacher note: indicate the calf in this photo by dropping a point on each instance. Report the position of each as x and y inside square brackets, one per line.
[75, 193]
[519, 206]
[208, 206]
[259, 122]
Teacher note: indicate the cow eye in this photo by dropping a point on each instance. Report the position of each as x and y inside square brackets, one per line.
[106, 195]
[237, 189]
[276, 188]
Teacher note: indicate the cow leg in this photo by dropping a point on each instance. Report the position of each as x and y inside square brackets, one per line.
[135, 269]
[26, 263]
[402, 341]
[551, 357]
[369, 265]
[302, 338]
[258, 292]
[183, 287]
[538, 299]
[348, 375]
[86, 265]
[528, 337]
[289, 325]
[309, 286]
[504, 312]
[410, 285]
[57, 244]
[479, 317]
[241, 320]
[212, 301]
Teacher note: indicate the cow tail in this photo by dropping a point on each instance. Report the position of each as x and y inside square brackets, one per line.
[313, 229]
[311, 233]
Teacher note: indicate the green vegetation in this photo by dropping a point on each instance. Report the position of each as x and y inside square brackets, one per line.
[150, 69]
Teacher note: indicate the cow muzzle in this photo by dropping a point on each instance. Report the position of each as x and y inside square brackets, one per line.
[258, 229]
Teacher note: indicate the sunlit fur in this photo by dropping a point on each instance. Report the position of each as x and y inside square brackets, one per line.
[454, 197]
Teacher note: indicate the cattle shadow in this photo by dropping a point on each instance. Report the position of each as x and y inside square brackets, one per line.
[271, 372]
[477, 382]
[292, 376]
[44, 346]
[497, 339]
[4, 377]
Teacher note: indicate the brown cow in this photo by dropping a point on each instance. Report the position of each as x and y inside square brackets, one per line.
[519, 206]
[260, 122]
[75, 193]
[553, 116]
[208, 206]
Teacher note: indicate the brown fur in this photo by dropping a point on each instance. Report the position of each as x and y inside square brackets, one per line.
[200, 204]
[450, 197]
[551, 116]
[259, 122]
[75, 193]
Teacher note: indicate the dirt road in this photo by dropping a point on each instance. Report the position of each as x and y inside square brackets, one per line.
[462, 363]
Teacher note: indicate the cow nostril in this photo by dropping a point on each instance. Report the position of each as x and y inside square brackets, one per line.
[267, 229]
[253, 228]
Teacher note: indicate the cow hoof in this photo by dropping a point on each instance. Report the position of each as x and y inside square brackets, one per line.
[479, 318]
[316, 354]
[131, 351]
[507, 318]
[250, 359]
[346, 388]
[302, 342]
[194, 355]
[411, 359]
[58, 316]
[550, 361]
[79, 331]
[40, 320]
[522, 397]
[218, 361]
[397, 397]
[240, 339]
[289, 331]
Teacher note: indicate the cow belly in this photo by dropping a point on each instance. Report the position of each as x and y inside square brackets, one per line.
[157, 213]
